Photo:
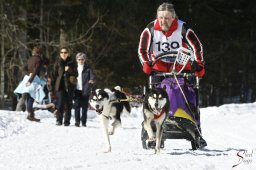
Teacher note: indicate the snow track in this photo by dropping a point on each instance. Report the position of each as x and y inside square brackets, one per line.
[25, 145]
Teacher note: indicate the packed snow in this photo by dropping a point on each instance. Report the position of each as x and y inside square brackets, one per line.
[230, 131]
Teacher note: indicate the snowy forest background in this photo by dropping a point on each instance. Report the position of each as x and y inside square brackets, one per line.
[108, 31]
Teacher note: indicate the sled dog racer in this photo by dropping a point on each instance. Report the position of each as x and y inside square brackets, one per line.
[168, 33]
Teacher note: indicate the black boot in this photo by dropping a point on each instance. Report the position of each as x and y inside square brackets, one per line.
[67, 117]
[31, 117]
[58, 123]
[59, 117]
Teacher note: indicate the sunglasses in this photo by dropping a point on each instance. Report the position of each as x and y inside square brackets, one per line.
[63, 52]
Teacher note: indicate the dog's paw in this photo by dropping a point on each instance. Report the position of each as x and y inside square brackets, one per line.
[107, 150]
[157, 151]
[111, 132]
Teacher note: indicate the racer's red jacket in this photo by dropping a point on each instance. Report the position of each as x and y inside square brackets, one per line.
[154, 41]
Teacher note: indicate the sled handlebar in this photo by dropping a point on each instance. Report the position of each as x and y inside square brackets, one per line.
[181, 56]
[170, 56]
[167, 54]
[172, 74]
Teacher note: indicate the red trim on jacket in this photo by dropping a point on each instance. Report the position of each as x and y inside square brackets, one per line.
[144, 45]
[195, 43]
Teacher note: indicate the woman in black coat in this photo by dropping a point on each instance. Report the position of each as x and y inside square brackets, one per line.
[85, 80]
[64, 83]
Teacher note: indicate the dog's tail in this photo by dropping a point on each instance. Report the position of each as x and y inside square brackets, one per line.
[121, 95]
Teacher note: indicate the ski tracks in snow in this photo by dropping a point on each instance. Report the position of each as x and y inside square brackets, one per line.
[44, 146]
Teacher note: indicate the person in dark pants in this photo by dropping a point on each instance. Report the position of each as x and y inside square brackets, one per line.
[165, 34]
[85, 80]
[64, 82]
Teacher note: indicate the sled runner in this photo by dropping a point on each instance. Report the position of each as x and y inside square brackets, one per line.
[183, 120]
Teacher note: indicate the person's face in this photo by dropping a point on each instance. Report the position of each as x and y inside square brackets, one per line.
[80, 61]
[64, 54]
[165, 19]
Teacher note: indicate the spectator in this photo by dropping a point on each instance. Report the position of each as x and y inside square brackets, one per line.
[30, 82]
[64, 83]
[85, 80]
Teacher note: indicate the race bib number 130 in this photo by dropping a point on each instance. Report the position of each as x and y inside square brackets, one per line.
[166, 46]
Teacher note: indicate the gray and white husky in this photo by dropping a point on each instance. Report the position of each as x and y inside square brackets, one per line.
[109, 104]
[155, 110]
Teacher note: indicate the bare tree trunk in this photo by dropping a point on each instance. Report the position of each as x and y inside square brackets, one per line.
[2, 59]
[63, 34]
[63, 38]
[41, 21]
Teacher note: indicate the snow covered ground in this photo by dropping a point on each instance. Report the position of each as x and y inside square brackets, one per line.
[230, 131]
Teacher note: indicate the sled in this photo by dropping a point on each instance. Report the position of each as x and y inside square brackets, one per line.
[183, 121]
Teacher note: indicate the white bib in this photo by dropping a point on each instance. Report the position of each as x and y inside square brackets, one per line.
[162, 44]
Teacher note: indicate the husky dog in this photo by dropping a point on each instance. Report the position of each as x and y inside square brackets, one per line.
[155, 110]
[109, 104]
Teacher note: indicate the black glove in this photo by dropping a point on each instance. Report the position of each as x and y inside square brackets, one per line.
[91, 85]
[195, 67]
[150, 63]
